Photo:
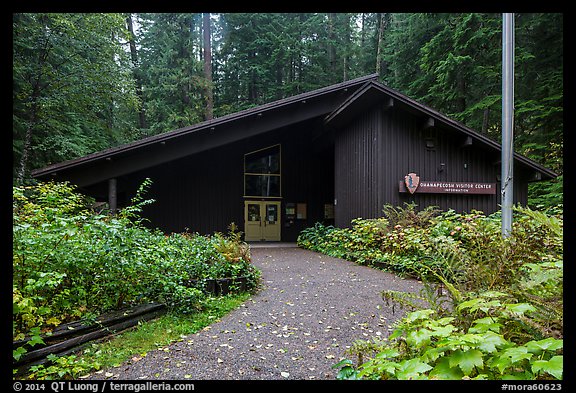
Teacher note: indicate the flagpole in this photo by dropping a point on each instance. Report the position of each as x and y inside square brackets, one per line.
[506, 180]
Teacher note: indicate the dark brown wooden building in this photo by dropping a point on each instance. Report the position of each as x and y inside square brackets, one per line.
[330, 155]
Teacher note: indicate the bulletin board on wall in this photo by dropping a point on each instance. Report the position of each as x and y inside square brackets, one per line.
[301, 211]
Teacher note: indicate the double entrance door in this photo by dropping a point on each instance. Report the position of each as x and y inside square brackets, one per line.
[261, 221]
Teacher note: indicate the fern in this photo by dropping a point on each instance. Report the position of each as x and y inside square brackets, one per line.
[408, 216]
[430, 296]
[550, 222]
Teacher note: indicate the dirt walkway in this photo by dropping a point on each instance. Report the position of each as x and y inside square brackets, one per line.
[310, 310]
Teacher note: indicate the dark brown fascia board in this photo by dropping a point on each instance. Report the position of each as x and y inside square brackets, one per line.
[111, 152]
[348, 104]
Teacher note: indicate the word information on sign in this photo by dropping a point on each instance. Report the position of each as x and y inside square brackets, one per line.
[450, 187]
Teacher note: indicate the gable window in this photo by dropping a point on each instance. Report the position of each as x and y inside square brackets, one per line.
[262, 173]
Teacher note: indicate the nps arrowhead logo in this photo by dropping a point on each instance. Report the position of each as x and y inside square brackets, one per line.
[412, 181]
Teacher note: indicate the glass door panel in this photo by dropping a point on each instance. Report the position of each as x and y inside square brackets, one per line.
[271, 228]
[252, 221]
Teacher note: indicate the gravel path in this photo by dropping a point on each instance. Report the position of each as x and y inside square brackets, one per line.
[310, 310]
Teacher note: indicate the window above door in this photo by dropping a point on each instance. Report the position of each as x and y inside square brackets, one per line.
[262, 173]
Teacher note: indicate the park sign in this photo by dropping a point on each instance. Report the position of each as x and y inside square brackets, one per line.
[413, 184]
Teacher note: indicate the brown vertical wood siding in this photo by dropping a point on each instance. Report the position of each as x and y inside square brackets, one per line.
[204, 192]
[357, 175]
[199, 193]
[378, 148]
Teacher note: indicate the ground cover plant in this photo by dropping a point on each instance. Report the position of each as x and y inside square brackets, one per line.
[491, 307]
[134, 344]
[70, 263]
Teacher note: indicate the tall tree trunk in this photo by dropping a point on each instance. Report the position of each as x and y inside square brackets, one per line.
[278, 93]
[346, 60]
[252, 87]
[136, 71]
[185, 52]
[33, 120]
[209, 113]
[252, 78]
[379, 43]
[485, 121]
[461, 100]
[363, 31]
[331, 47]
[301, 54]
[28, 137]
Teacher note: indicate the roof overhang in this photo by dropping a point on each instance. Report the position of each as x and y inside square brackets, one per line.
[373, 93]
[338, 104]
[158, 149]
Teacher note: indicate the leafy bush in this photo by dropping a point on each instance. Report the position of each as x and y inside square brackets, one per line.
[70, 263]
[478, 287]
[467, 249]
[62, 367]
[424, 346]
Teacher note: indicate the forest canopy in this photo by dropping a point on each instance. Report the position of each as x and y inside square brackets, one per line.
[86, 82]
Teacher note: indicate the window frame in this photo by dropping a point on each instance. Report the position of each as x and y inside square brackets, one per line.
[279, 174]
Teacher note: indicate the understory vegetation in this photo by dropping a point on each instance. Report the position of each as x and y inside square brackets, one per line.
[491, 306]
[70, 263]
[134, 344]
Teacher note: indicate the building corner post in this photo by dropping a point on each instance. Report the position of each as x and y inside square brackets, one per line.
[112, 196]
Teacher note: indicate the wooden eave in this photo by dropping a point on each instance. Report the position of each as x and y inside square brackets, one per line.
[373, 92]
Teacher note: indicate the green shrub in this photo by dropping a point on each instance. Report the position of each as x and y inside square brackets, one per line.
[61, 367]
[70, 263]
[480, 289]
[423, 346]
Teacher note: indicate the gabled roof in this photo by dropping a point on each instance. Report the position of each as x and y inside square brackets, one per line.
[373, 91]
[111, 153]
[337, 103]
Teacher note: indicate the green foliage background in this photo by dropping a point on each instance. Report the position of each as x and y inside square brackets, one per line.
[78, 88]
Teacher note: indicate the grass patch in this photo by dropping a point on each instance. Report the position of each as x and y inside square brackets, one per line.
[160, 332]
[145, 337]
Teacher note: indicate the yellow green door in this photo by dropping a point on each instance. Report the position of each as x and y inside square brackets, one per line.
[262, 221]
